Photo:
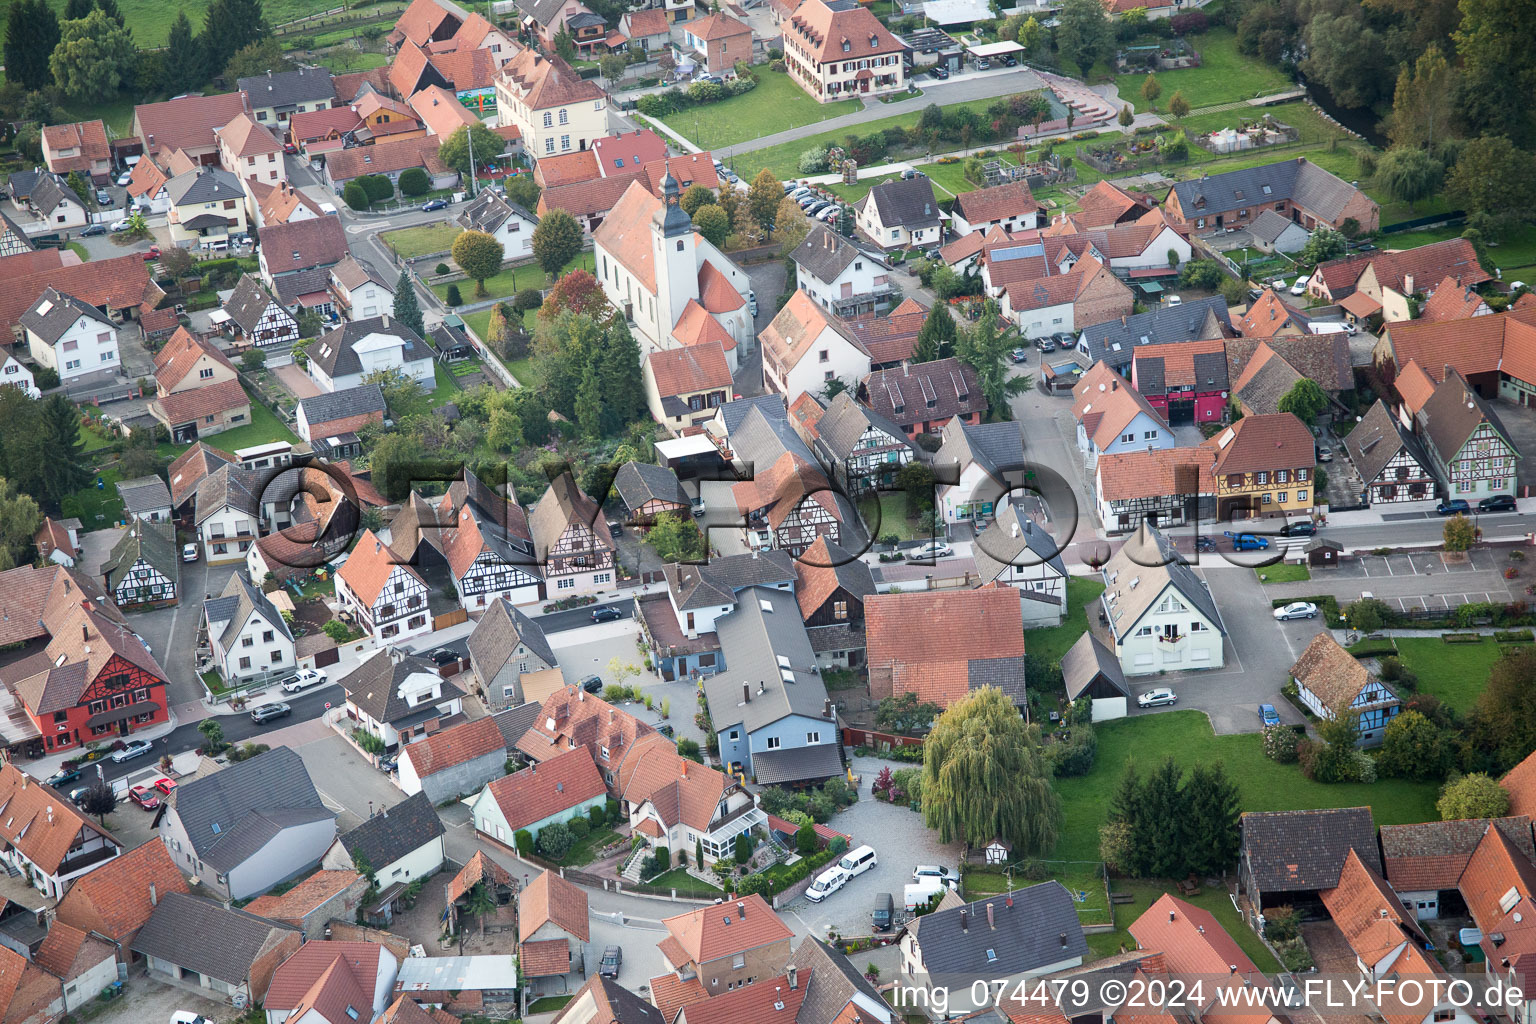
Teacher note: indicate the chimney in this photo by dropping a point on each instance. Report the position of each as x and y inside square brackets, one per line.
[685, 767]
[826, 708]
[991, 921]
[1232, 968]
[50, 814]
[1008, 902]
[1408, 283]
[741, 911]
[794, 978]
[1171, 917]
[154, 895]
[1063, 940]
[85, 631]
[746, 692]
[533, 769]
[965, 925]
[612, 714]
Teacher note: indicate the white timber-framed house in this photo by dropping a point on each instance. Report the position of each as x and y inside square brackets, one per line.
[387, 597]
[141, 571]
[572, 538]
[481, 537]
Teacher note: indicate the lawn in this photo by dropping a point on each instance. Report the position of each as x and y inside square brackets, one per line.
[1054, 641]
[1517, 249]
[409, 243]
[480, 323]
[93, 440]
[512, 279]
[1224, 76]
[151, 19]
[79, 249]
[584, 850]
[1213, 900]
[885, 513]
[342, 61]
[549, 1004]
[1283, 573]
[1263, 785]
[1456, 673]
[951, 177]
[96, 507]
[1084, 882]
[447, 389]
[264, 428]
[776, 105]
[116, 112]
[684, 883]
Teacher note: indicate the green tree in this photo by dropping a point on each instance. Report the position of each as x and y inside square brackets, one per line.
[479, 255]
[556, 241]
[1324, 244]
[617, 369]
[1084, 35]
[791, 225]
[936, 338]
[764, 197]
[1472, 796]
[985, 348]
[1306, 400]
[20, 519]
[455, 149]
[94, 58]
[504, 426]
[1030, 33]
[76, 184]
[695, 197]
[1493, 177]
[1424, 104]
[253, 59]
[917, 481]
[452, 297]
[1203, 274]
[1126, 116]
[230, 26]
[1409, 174]
[1502, 724]
[354, 196]
[403, 394]
[482, 904]
[406, 309]
[522, 190]
[565, 46]
[213, 735]
[711, 222]
[1495, 64]
[985, 775]
[377, 187]
[1213, 811]
[806, 842]
[253, 359]
[1151, 89]
[676, 538]
[31, 35]
[111, 10]
[1178, 106]
[1457, 534]
[612, 66]
[74, 10]
[414, 182]
[64, 467]
[1413, 747]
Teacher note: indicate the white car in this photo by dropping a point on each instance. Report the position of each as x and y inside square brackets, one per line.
[1174, 300]
[752, 302]
[189, 553]
[305, 677]
[932, 872]
[827, 883]
[188, 1017]
[117, 227]
[1155, 698]
[124, 178]
[1296, 610]
[934, 549]
[1300, 287]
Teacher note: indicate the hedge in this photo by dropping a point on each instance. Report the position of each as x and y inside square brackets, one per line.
[1373, 648]
[1462, 638]
[1514, 636]
[783, 876]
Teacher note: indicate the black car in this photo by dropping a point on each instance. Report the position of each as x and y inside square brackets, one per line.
[613, 956]
[1204, 543]
[443, 656]
[940, 72]
[94, 229]
[592, 684]
[63, 778]
[1497, 503]
[1299, 529]
[607, 613]
[1010, 62]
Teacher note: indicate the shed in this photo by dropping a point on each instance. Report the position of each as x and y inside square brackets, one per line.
[1091, 670]
[1322, 552]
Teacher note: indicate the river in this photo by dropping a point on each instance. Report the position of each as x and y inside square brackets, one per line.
[1357, 119]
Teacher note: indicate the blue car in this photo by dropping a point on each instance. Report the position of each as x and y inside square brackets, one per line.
[435, 204]
[1453, 507]
[1268, 715]
[1247, 542]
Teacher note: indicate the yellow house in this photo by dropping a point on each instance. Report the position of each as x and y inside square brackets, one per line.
[1263, 466]
[387, 120]
[555, 110]
[197, 390]
[207, 207]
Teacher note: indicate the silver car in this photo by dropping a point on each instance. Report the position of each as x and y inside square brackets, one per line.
[1156, 698]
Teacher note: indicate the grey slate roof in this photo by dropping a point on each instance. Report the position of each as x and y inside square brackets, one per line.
[488, 212]
[764, 436]
[845, 421]
[21, 183]
[200, 935]
[1377, 439]
[155, 543]
[248, 601]
[905, 202]
[513, 722]
[1299, 181]
[291, 287]
[231, 814]
[333, 351]
[394, 832]
[765, 627]
[499, 633]
[63, 312]
[717, 581]
[337, 405]
[248, 303]
[833, 985]
[354, 273]
[1150, 561]
[1016, 539]
[144, 494]
[1188, 322]
[374, 686]
[814, 761]
[1269, 226]
[731, 414]
[1085, 661]
[288, 88]
[49, 193]
[1040, 928]
[1299, 851]
[233, 485]
[996, 447]
[824, 254]
[1210, 370]
[640, 482]
[203, 185]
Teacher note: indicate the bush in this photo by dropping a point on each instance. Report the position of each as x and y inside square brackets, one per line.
[806, 842]
[354, 196]
[706, 92]
[523, 840]
[743, 850]
[453, 297]
[441, 268]
[1075, 756]
[690, 749]
[597, 817]
[1189, 23]
[528, 298]
[1281, 924]
[377, 187]
[580, 827]
[414, 182]
[1514, 636]
[612, 811]
[1280, 743]
[813, 160]
[555, 840]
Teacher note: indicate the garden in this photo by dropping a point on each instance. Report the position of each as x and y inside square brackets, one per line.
[775, 104]
[412, 243]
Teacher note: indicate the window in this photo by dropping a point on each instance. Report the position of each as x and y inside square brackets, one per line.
[247, 641]
[1144, 631]
[734, 734]
[277, 656]
[549, 119]
[266, 637]
[824, 356]
[1149, 435]
[1301, 476]
[70, 346]
[1128, 438]
[565, 117]
[1266, 499]
[245, 662]
[1301, 495]
[1261, 478]
[205, 373]
[1283, 496]
[565, 584]
[1282, 476]
[549, 145]
[839, 609]
[773, 743]
[565, 142]
[814, 736]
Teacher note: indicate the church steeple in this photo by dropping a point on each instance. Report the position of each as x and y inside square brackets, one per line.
[672, 218]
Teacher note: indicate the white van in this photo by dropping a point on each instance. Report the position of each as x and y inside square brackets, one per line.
[827, 883]
[1333, 328]
[921, 893]
[858, 861]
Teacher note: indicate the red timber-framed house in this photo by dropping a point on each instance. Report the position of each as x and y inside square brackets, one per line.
[87, 677]
[572, 537]
[479, 538]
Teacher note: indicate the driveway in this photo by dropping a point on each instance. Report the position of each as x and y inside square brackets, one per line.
[901, 843]
[296, 380]
[1520, 423]
[172, 632]
[590, 650]
[348, 785]
[146, 1000]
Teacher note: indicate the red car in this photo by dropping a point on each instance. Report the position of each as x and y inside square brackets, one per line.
[165, 785]
[144, 797]
[152, 253]
[290, 148]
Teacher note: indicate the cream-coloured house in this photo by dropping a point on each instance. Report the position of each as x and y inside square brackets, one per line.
[207, 205]
[1159, 615]
[249, 150]
[805, 347]
[837, 50]
[556, 111]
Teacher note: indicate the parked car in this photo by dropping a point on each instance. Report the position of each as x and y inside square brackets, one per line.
[166, 786]
[1157, 698]
[1296, 610]
[131, 750]
[1247, 541]
[63, 777]
[151, 254]
[1268, 715]
[884, 912]
[592, 684]
[1453, 507]
[982, 64]
[1204, 543]
[1300, 287]
[94, 229]
[933, 873]
[1300, 528]
[608, 967]
[304, 677]
[752, 302]
[940, 72]
[434, 204]
[1010, 61]
[124, 178]
[270, 713]
[1018, 355]
[790, 186]
[827, 883]
[1324, 453]
[144, 797]
[444, 656]
[607, 613]
[1045, 344]
[697, 506]
[1497, 503]
[119, 226]
[1174, 300]
[934, 549]
[290, 149]
[858, 860]
[828, 216]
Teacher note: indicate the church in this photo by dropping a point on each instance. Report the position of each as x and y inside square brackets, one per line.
[672, 285]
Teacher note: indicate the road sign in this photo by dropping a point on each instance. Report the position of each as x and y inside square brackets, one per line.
[327, 705]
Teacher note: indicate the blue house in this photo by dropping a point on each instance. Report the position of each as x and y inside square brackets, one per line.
[770, 709]
[1330, 680]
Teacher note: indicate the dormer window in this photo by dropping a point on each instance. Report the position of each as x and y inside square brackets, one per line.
[847, 46]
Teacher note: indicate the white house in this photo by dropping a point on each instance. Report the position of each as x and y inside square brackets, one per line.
[1275, 232]
[1112, 417]
[386, 596]
[142, 569]
[399, 698]
[1010, 206]
[1020, 553]
[69, 336]
[361, 291]
[453, 762]
[1160, 615]
[341, 358]
[14, 374]
[248, 636]
[228, 516]
[56, 205]
[332, 982]
[984, 460]
[806, 346]
[838, 276]
[901, 214]
[400, 843]
[507, 222]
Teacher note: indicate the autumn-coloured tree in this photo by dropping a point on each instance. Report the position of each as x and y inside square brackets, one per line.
[578, 292]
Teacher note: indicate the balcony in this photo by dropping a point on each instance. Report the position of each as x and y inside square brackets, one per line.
[81, 861]
[1172, 639]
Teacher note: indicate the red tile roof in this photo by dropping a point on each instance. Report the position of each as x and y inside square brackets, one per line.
[120, 282]
[926, 641]
[717, 26]
[422, 20]
[1269, 315]
[1126, 476]
[175, 360]
[540, 791]
[245, 137]
[1414, 386]
[1484, 344]
[185, 123]
[550, 899]
[316, 124]
[294, 980]
[39, 822]
[690, 370]
[1433, 854]
[1496, 870]
[828, 35]
[89, 137]
[1453, 300]
[671, 993]
[542, 82]
[725, 929]
[766, 1001]
[1369, 913]
[441, 111]
[369, 567]
[305, 898]
[1194, 943]
[194, 406]
[1520, 784]
[1258, 443]
[468, 69]
[544, 958]
[697, 326]
[455, 745]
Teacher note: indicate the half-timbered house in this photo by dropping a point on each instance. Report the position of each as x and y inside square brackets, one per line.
[1392, 463]
[1468, 447]
[47, 841]
[255, 317]
[1171, 487]
[860, 448]
[480, 537]
[572, 539]
[1020, 553]
[143, 569]
[648, 491]
[788, 502]
[1330, 682]
[386, 596]
[831, 584]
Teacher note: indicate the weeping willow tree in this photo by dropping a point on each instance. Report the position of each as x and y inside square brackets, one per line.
[985, 775]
